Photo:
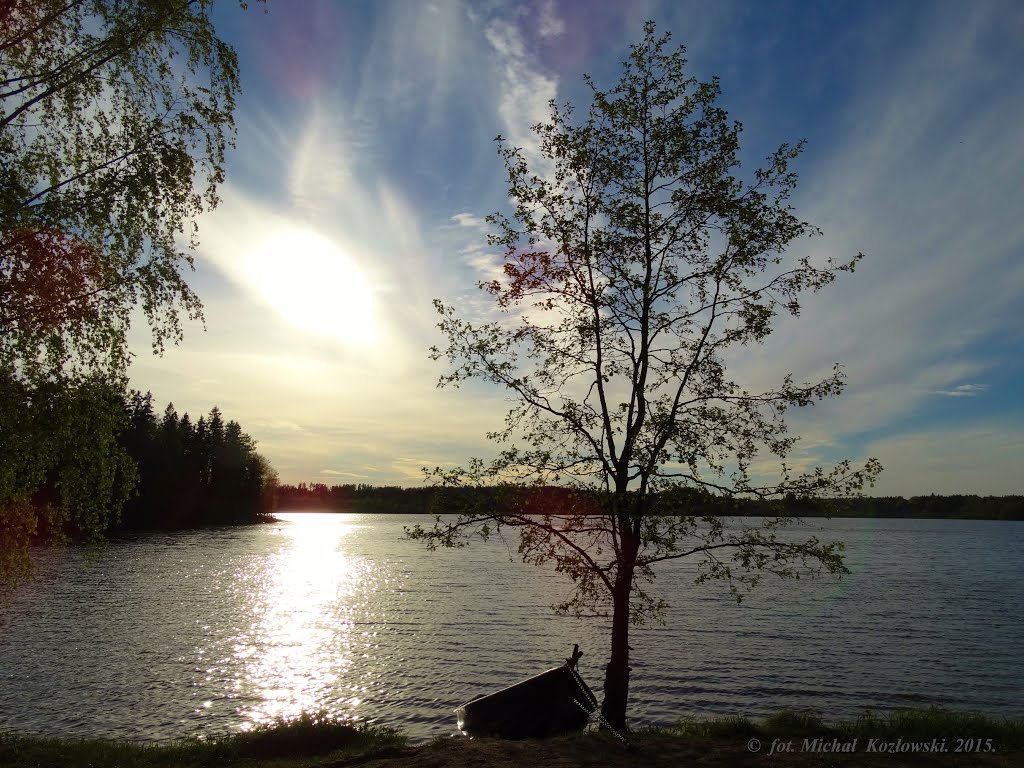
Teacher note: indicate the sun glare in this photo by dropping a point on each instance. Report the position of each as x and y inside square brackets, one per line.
[312, 284]
[299, 653]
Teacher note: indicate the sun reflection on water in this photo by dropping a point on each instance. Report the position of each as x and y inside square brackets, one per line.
[303, 636]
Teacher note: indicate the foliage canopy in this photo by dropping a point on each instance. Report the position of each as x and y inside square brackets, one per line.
[115, 116]
[114, 119]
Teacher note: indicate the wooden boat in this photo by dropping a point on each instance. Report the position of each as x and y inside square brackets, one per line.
[552, 702]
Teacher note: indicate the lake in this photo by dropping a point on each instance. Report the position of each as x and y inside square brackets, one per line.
[206, 632]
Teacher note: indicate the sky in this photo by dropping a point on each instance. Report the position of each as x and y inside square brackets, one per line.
[365, 163]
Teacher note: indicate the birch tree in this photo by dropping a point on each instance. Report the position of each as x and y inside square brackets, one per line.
[637, 262]
[115, 116]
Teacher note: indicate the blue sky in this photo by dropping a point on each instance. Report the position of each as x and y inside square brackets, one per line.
[365, 165]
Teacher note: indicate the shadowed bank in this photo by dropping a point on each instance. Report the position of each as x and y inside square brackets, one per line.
[312, 741]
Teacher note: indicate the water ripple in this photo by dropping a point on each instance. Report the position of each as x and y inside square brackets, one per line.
[169, 635]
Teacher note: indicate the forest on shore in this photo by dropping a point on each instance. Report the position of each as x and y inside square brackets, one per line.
[191, 474]
[106, 462]
[363, 497]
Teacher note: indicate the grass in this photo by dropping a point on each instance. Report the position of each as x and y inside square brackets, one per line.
[293, 742]
[314, 741]
[910, 725]
[961, 731]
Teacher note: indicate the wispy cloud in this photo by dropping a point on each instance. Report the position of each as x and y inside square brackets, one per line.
[320, 172]
[550, 23]
[929, 191]
[380, 141]
[336, 473]
[466, 219]
[411, 469]
[525, 90]
[964, 390]
[487, 266]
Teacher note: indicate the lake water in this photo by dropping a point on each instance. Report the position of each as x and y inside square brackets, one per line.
[186, 634]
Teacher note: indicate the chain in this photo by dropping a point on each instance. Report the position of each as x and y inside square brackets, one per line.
[583, 689]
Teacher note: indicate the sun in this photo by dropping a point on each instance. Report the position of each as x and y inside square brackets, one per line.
[314, 285]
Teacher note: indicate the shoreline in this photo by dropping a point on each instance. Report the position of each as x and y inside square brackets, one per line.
[783, 740]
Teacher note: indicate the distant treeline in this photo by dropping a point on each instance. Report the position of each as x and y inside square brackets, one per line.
[393, 499]
[193, 474]
[956, 507]
[353, 498]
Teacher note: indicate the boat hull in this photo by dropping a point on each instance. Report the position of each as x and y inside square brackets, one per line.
[552, 702]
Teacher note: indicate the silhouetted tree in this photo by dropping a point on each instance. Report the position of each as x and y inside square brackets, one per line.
[635, 259]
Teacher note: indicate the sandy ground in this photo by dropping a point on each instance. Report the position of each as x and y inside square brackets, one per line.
[573, 752]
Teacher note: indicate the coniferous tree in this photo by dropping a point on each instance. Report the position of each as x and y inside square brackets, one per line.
[207, 473]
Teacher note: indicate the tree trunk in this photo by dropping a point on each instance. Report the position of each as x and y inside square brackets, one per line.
[616, 678]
